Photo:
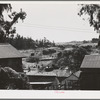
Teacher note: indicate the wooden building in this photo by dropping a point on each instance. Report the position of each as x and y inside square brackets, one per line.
[72, 81]
[90, 75]
[10, 57]
[68, 81]
[61, 76]
[43, 80]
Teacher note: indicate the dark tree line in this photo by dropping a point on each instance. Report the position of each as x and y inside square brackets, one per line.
[21, 42]
[95, 40]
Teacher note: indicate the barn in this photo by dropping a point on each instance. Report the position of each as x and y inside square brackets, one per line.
[10, 57]
[90, 75]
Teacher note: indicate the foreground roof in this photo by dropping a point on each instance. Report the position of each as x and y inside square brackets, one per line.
[61, 73]
[8, 51]
[40, 83]
[91, 61]
[32, 73]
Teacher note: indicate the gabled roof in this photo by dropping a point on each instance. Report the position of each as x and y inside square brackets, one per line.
[91, 61]
[77, 73]
[72, 77]
[61, 73]
[8, 51]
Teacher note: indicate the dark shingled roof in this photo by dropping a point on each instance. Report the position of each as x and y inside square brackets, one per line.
[91, 61]
[8, 51]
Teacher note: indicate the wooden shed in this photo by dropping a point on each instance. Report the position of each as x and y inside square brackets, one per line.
[10, 57]
[43, 80]
[68, 81]
[72, 81]
[90, 75]
[61, 76]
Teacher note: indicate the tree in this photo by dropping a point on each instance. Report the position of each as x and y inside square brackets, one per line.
[6, 27]
[10, 79]
[93, 12]
[78, 55]
[71, 58]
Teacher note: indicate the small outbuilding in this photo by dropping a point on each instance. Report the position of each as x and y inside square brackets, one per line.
[43, 80]
[62, 76]
[10, 57]
[68, 81]
[72, 81]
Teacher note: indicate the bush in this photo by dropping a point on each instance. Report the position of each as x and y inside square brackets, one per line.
[55, 66]
[49, 51]
[32, 59]
[10, 79]
[49, 69]
[88, 48]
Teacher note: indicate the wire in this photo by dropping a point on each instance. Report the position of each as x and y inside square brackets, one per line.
[55, 28]
[52, 26]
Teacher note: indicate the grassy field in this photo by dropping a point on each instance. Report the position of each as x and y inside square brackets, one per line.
[34, 66]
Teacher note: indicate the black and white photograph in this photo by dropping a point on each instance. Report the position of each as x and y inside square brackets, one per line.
[49, 46]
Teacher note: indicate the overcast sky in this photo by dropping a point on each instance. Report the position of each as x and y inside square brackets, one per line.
[55, 21]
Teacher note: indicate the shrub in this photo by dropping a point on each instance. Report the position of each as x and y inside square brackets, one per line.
[10, 79]
[32, 59]
[49, 51]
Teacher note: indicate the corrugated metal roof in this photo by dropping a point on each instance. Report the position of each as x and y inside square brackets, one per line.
[38, 83]
[91, 61]
[8, 51]
[31, 73]
[58, 73]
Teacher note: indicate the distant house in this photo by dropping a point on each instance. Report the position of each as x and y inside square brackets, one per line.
[90, 75]
[10, 57]
[43, 80]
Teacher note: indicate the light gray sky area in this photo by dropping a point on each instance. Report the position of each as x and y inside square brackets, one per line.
[55, 21]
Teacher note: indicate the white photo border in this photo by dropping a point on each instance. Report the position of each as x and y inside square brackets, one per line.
[51, 94]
